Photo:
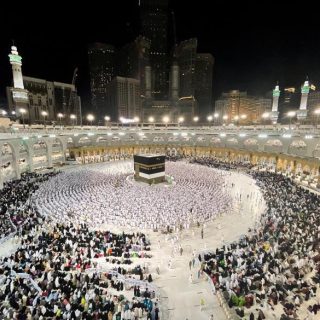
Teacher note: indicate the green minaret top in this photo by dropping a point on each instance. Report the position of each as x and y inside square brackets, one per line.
[14, 56]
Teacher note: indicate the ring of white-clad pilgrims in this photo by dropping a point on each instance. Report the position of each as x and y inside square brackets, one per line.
[102, 194]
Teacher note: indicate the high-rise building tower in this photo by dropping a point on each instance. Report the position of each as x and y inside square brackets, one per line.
[154, 26]
[203, 82]
[102, 70]
[132, 60]
[18, 94]
[186, 53]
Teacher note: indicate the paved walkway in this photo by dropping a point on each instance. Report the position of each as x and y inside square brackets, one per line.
[180, 298]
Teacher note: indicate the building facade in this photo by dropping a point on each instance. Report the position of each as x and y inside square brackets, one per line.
[49, 96]
[203, 82]
[154, 26]
[239, 108]
[132, 60]
[102, 69]
[123, 98]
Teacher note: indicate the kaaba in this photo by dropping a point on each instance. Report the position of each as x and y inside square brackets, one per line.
[149, 168]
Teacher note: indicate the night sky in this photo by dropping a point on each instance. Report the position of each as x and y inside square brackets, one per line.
[254, 44]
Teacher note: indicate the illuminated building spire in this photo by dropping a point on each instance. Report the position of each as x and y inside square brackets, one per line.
[16, 63]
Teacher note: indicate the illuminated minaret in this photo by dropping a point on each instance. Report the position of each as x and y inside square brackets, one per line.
[19, 94]
[302, 112]
[275, 102]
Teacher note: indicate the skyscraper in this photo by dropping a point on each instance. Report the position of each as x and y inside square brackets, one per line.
[154, 26]
[186, 53]
[102, 70]
[132, 60]
[203, 82]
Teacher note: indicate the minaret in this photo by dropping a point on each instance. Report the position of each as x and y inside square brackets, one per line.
[275, 102]
[16, 62]
[19, 94]
[302, 112]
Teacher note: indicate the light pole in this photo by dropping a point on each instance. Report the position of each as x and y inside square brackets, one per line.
[151, 120]
[225, 118]
[291, 114]
[60, 116]
[209, 118]
[317, 113]
[90, 118]
[196, 119]
[107, 119]
[44, 114]
[243, 117]
[22, 111]
[265, 116]
[136, 120]
[166, 120]
[180, 120]
[216, 116]
[73, 117]
[236, 118]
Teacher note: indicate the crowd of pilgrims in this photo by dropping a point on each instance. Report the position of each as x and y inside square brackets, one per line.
[277, 264]
[103, 194]
[15, 209]
[62, 261]
[220, 163]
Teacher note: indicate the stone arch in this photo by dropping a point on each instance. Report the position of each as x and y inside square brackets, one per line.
[101, 139]
[215, 140]
[250, 142]
[24, 156]
[39, 144]
[57, 153]
[232, 141]
[40, 153]
[85, 141]
[7, 162]
[201, 139]
[274, 143]
[316, 151]
[298, 144]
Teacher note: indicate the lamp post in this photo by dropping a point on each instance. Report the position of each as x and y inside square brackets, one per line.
[180, 120]
[90, 118]
[73, 118]
[196, 119]
[225, 118]
[44, 114]
[243, 117]
[209, 118]
[265, 116]
[216, 116]
[236, 118]
[60, 116]
[22, 111]
[136, 120]
[317, 113]
[107, 119]
[166, 120]
[151, 120]
[291, 114]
